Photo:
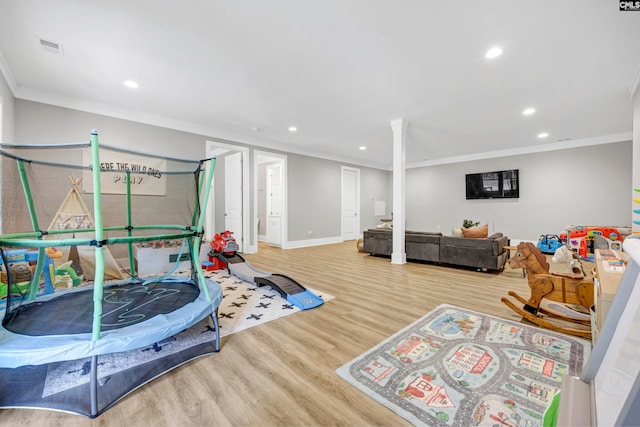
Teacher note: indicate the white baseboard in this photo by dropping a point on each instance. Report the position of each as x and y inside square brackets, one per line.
[311, 242]
[262, 237]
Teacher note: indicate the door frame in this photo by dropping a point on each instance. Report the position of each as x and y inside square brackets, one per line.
[257, 154]
[214, 148]
[357, 195]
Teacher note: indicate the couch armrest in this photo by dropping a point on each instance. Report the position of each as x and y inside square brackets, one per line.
[499, 243]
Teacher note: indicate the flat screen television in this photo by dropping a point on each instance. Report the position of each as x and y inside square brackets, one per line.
[493, 185]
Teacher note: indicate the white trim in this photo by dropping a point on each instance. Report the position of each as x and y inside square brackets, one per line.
[8, 76]
[212, 133]
[211, 146]
[312, 242]
[553, 146]
[284, 233]
[635, 81]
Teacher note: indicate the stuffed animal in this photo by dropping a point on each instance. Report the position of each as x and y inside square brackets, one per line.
[563, 255]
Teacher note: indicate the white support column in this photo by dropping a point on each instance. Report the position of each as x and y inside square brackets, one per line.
[399, 127]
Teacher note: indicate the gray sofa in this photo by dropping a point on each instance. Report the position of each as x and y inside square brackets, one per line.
[482, 253]
[422, 246]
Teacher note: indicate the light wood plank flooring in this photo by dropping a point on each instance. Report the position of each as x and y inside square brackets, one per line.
[282, 373]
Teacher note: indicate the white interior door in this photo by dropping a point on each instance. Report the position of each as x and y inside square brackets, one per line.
[350, 203]
[233, 196]
[275, 204]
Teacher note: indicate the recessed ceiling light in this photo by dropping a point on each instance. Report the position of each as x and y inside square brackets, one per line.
[256, 129]
[529, 111]
[362, 148]
[293, 129]
[543, 135]
[131, 84]
[494, 52]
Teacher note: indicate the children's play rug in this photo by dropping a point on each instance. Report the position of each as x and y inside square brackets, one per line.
[457, 367]
[245, 305]
[61, 385]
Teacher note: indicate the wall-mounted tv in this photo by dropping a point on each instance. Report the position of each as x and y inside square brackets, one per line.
[493, 185]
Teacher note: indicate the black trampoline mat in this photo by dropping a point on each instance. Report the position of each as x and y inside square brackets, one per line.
[122, 305]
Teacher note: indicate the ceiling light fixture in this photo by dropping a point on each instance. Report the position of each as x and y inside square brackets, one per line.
[543, 135]
[529, 111]
[494, 52]
[293, 129]
[362, 148]
[131, 84]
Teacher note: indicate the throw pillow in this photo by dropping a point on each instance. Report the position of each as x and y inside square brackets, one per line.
[476, 232]
[456, 232]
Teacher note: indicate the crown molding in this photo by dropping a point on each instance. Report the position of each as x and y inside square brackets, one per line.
[216, 134]
[635, 82]
[532, 149]
[8, 76]
[210, 133]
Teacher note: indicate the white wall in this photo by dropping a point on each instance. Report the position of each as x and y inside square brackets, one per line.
[314, 200]
[587, 186]
[7, 125]
[573, 186]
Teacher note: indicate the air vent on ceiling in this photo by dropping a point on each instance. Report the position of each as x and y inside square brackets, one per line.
[51, 46]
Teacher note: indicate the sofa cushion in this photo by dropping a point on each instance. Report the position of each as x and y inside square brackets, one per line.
[476, 232]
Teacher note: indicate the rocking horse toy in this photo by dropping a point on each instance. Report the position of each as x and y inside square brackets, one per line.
[571, 288]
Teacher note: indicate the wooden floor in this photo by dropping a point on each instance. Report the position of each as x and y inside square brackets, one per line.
[282, 373]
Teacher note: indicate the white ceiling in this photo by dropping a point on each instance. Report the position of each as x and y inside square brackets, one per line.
[339, 70]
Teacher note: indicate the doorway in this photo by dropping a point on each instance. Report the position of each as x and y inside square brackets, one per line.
[350, 203]
[270, 178]
[229, 208]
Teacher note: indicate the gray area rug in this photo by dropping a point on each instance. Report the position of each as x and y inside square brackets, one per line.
[457, 367]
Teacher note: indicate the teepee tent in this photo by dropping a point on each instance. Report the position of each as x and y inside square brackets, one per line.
[74, 214]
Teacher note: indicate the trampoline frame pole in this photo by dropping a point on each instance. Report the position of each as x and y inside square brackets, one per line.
[93, 385]
[33, 285]
[98, 283]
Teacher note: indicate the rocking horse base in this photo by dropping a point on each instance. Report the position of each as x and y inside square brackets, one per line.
[542, 315]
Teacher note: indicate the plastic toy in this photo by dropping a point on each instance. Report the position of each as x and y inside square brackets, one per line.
[224, 254]
[19, 263]
[222, 244]
[612, 236]
[549, 243]
[564, 256]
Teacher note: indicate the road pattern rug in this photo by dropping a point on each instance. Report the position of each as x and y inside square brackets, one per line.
[457, 367]
[65, 385]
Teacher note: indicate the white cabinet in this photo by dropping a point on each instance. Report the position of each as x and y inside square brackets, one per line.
[155, 258]
[274, 230]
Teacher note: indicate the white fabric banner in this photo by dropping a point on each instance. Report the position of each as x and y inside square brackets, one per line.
[146, 173]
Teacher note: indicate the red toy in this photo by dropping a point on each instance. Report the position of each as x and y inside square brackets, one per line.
[224, 244]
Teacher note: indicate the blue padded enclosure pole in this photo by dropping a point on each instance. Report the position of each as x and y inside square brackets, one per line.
[97, 218]
[33, 285]
[195, 251]
[132, 266]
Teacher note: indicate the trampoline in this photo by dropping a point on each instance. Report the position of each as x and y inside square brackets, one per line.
[65, 294]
